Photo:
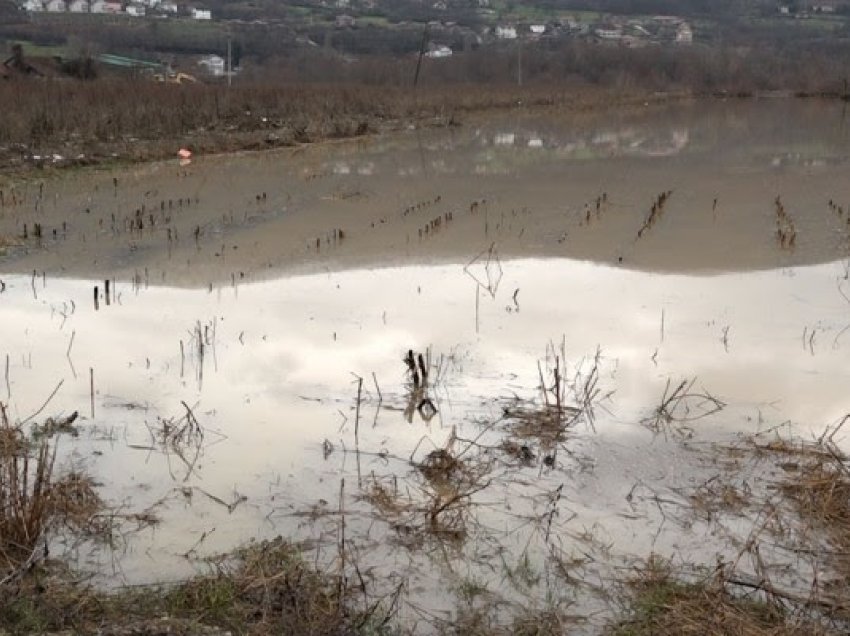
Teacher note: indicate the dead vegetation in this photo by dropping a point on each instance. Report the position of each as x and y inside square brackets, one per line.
[435, 503]
[793, 495]
[786, 233]
[181, 437]
[537, 427]
[666, 603]
[137, 120]
[34, 502]
[681, 406]
[544, 426]
[261, 589]
[419, 386]
[655, 212]
[814, 481]
[27, 505]
[7, 242]
[57, 425]
[477, 617]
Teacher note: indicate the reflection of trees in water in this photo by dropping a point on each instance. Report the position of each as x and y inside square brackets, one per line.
[752, 132]
[626, 140]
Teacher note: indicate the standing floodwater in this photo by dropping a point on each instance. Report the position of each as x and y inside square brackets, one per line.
[663, 279]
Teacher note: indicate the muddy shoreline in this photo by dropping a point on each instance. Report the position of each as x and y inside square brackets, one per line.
[75, 149]
[299, 125]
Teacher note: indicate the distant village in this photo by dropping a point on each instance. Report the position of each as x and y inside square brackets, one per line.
[803, 10]
[626, 31]
[614, 30]
[445, 34]
[160, 8]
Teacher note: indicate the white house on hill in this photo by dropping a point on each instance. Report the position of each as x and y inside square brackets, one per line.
[438, 51]
[684, 34]
[106, 6]
[214, 65]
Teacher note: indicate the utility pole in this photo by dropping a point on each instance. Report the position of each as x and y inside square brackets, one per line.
[229, 61]
[419, 59]
[519, 60]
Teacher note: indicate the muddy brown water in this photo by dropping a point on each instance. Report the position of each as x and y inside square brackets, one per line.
[706, 292]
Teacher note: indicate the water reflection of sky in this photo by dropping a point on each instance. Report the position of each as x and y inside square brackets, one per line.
[282, 338]
[278, 379]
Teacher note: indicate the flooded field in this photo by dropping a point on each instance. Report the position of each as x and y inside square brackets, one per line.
[599, 303]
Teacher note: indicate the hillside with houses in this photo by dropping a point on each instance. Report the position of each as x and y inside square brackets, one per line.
[145, 8]
[464, 40]
[629, 23]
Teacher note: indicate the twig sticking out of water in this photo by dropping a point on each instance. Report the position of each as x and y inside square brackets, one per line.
[786, 234]
[357, 412]
[8, 384]
[655, 212]
[682, 405]
[46, 402]
[341, 545]
[410, 361]
[377, 388]
[418, 400]
[181, 436]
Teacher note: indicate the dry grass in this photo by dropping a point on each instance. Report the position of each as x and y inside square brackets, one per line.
[33, 501]
[822, 496]
[798, 493]
[77, 504]
[26, 495]
[263, 589]
[545, 424]
[537, 427]
[718, 496]
[7, 241]
[384, 495]
[815, 481]
[435, 503]
[138, 120]
[181, 437]
[480, 621]
[270, 588]
[451, 476]
[680, 406]
[782, 505]
[663, 604]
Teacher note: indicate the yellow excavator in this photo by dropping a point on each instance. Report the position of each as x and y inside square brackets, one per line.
[157, 71]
